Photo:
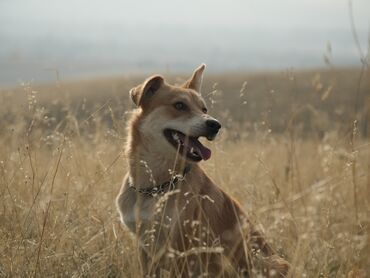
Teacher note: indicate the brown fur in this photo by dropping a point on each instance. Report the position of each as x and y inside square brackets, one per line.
[198, 227]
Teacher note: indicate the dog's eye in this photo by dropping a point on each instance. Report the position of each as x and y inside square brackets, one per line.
[180, 105]
[205, 110]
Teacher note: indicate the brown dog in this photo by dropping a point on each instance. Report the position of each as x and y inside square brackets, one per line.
[185, 224]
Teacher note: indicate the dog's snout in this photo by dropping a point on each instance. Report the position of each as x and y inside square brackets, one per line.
[213, 125]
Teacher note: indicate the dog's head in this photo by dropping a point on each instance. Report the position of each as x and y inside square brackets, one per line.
[172, 118]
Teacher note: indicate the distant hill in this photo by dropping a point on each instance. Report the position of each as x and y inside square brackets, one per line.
[312, 102]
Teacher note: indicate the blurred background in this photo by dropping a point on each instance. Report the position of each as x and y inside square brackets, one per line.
[90, 38]
[289, 81]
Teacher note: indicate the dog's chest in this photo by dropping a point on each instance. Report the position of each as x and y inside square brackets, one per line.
[146, 214]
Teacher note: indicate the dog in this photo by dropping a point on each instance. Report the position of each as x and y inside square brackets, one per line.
[186, 225]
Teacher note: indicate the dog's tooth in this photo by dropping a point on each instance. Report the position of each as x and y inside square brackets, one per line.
[192, 150]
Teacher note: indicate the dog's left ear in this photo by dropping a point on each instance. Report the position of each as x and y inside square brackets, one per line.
[195, 81]
[142, 93]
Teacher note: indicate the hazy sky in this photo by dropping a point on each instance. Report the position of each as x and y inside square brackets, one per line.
[117, 35]
[270, 13]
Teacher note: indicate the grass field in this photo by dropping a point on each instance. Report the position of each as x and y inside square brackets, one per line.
[294, 151]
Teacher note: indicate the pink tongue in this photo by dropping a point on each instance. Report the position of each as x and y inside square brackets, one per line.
[204, 152]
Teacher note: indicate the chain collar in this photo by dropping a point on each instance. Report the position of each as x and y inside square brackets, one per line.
[164, 187]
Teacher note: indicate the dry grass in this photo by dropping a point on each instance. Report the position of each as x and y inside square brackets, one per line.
[288, 152]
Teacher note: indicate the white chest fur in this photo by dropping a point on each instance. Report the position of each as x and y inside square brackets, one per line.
[147, 217]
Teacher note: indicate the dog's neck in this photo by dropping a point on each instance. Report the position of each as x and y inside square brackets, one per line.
[148, 169]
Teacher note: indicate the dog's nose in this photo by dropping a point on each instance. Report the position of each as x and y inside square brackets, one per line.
[213, 125]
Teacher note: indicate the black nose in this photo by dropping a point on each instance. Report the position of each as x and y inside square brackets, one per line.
[213, 125]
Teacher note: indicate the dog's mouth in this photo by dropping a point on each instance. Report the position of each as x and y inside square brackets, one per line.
[188, 146]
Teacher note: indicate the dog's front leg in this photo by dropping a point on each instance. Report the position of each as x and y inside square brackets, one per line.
[150, 265]
[144, 263]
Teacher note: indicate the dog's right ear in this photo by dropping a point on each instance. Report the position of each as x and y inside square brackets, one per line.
[145, 91]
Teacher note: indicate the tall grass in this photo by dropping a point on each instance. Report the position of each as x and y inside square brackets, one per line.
[289, 152]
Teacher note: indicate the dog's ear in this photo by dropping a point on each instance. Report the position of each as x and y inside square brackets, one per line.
[145, 91]
[195, 81]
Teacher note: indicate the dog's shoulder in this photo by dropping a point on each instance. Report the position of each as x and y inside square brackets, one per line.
[219, 206]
